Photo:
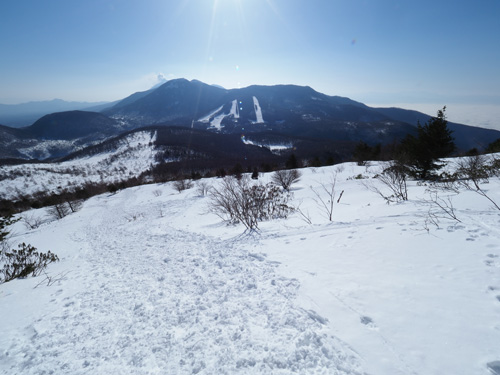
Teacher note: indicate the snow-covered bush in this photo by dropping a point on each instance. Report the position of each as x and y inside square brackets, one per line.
[5, 221]
[24, 262]
[240, 201]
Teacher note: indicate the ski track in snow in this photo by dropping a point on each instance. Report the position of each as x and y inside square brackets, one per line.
[154, 299]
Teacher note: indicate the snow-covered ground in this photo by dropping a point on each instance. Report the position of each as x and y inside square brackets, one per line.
[234, 109]
[149, 282]
[258, 111]
[135, 155]
[215, 117]
[272, 147]
[210, 115]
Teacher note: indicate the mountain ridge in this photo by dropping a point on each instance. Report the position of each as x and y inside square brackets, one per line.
[288, 110]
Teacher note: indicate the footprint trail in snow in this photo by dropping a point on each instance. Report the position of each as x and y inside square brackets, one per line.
[155, 299]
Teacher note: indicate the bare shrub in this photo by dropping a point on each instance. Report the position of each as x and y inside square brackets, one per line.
[238, 201]
[157, 193]
[303, 215]
[51, 280]
[74, 205]
[472, 172]
[203, 187]
[286, 177]
[339, 168]
[473, 168]
[32, 221]
[181, 185]
[394, 177]
[59, 210]
[439, 207]
[325, 196]
[494, 167]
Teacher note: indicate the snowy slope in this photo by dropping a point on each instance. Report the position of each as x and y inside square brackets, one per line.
[234, 109]
[215, 117]
[134, 155]
[272, 147]
[258, 111]
[210, 115]
[150, 283]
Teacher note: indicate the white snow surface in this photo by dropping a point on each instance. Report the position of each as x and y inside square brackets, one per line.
[272, 147]
[258, 111]
[150, 283]
[234, 109]
[134, 155]
[215, 117]
[210, 115]
[41, 150]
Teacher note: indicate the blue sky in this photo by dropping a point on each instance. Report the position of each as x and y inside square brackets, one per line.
[415, 54]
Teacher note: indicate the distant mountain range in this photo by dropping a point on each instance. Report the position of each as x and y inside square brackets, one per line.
[282, 116]
[25, 114]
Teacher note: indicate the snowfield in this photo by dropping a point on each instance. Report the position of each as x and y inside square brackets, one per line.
[134, 155]
[258, 111]
[150, 282]
[217, 116]
[275, 148]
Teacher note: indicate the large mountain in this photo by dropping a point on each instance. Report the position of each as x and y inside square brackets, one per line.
[74, 125]
[288, 115]
[183, 102]
[177, 101]
[285, 109]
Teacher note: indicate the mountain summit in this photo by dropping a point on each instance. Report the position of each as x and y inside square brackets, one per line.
[285, 109]
[179, 101]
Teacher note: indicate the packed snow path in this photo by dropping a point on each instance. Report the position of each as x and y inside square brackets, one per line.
[149, 284]
[147, 298]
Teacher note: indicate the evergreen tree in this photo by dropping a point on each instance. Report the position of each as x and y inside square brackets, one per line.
[493, 147]
[255, 174]
[292, 162]
[363, 152]
[316, 162]
[5, 221]
[237, 171]
[421, 153]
